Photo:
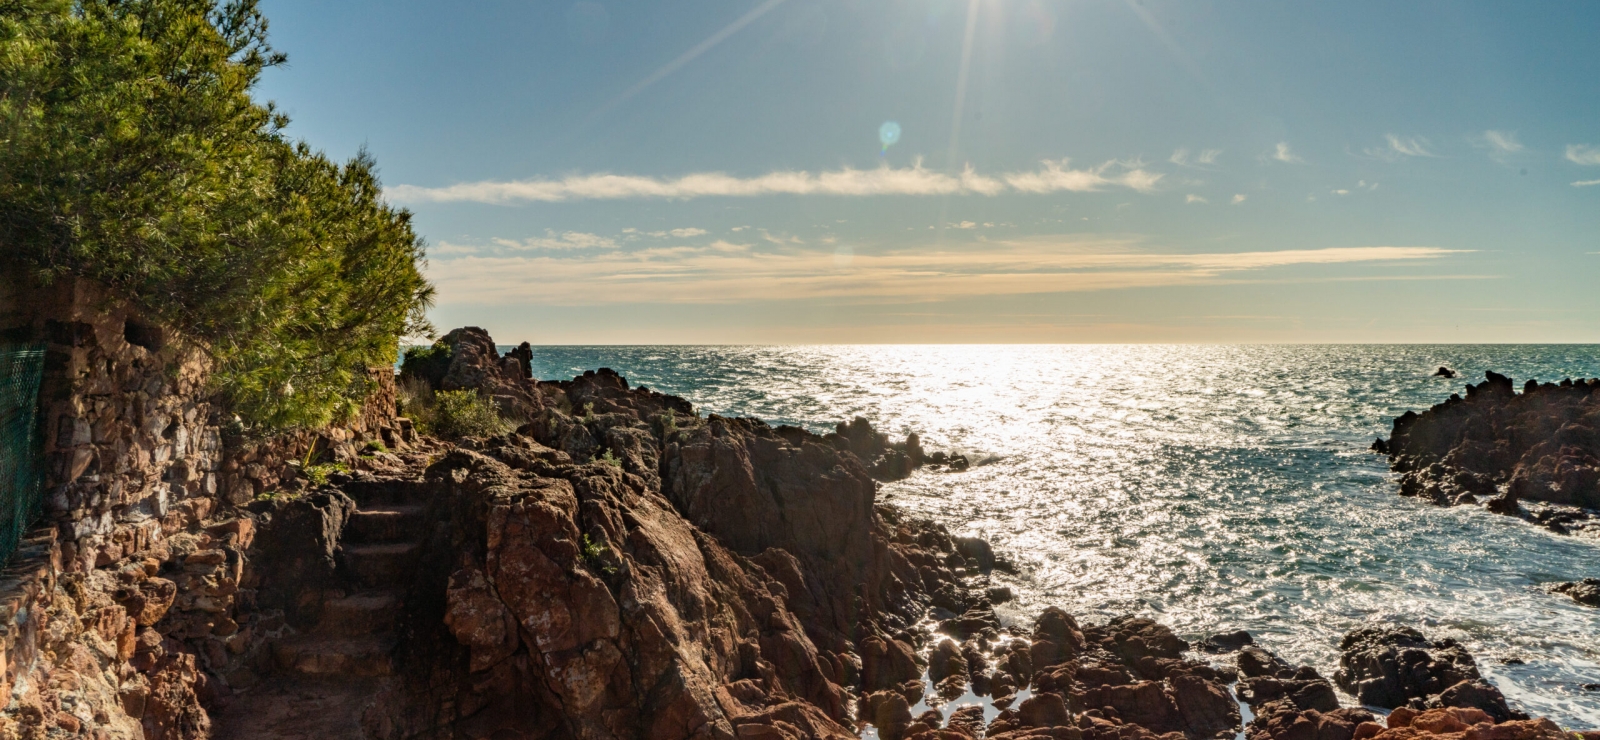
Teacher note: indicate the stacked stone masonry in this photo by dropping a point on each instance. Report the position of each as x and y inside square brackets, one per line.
[130, 606]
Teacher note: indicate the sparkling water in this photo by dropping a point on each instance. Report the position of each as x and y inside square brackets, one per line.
[1210, 487]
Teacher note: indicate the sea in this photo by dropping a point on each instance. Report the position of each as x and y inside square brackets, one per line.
[1212, 488]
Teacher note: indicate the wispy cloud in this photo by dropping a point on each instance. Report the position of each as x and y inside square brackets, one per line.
[1398, 148]
[725, 272]
[1182, 158]
[1052, 176]
[680, 233]
[1283, 154]
[1583, 154]
[447, 249]
[1415, 146]
[1238, 198]
[1361, 185]
[1585, 183]
[1055, 176]
[1502, 142]
[562, 241]
[1192, 198]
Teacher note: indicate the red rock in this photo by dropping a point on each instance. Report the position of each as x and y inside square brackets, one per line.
[478, 619]
[889, 712]
[967, 720]
[1281, 720]
[946, 660]
[1044, 710]
[173, 710]
[886, 663]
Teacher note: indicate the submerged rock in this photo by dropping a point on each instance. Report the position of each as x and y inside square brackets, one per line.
[1586, 591]
[1226, 642]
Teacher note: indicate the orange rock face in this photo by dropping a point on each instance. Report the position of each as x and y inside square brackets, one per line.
[1454, 723]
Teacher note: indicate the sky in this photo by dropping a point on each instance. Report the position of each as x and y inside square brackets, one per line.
[886, 171]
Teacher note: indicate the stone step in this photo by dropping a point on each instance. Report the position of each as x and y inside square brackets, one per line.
[386, 565]
[359, 614]
[323, 655]
[294, 707]
[385, 523]
[375, 492]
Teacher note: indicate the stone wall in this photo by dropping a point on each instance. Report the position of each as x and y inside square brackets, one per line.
[130, 605]
[131, 445]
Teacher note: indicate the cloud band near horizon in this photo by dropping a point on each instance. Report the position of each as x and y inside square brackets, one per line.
[916, 180]
[723, 272]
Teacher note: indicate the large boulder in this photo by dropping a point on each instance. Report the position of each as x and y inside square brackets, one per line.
[1268, 679]
[1393, 666]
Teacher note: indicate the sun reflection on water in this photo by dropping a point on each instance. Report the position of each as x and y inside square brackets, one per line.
[1211, 487]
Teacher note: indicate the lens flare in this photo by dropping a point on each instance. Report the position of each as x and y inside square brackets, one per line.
[888, 135]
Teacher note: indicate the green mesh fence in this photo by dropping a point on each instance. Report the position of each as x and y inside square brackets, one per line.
[20, 369]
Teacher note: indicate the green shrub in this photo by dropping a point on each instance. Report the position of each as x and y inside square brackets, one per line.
[667, 425]
[465, 414]
[318, 474]
[595, 555]
[427, 363]
[134, 155]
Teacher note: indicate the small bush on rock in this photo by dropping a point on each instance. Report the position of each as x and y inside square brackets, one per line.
[319, 473]
[596, 554]
[465, 414]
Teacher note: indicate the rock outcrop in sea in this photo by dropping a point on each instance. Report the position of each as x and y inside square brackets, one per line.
[1586, 591]
[1535, 454]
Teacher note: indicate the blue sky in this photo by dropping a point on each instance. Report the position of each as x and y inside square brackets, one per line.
[1065, 171]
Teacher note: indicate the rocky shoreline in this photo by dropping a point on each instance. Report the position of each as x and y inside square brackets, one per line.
[621, 566]
[787, 516]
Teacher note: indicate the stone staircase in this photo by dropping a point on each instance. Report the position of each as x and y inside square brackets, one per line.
[324, 677]
[356, 634]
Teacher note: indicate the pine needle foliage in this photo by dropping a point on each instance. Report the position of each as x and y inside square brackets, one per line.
[132, 152]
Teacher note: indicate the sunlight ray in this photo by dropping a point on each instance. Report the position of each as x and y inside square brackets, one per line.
[688, 56]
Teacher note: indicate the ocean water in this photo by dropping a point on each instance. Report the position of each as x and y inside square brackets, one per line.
[1209, 487]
